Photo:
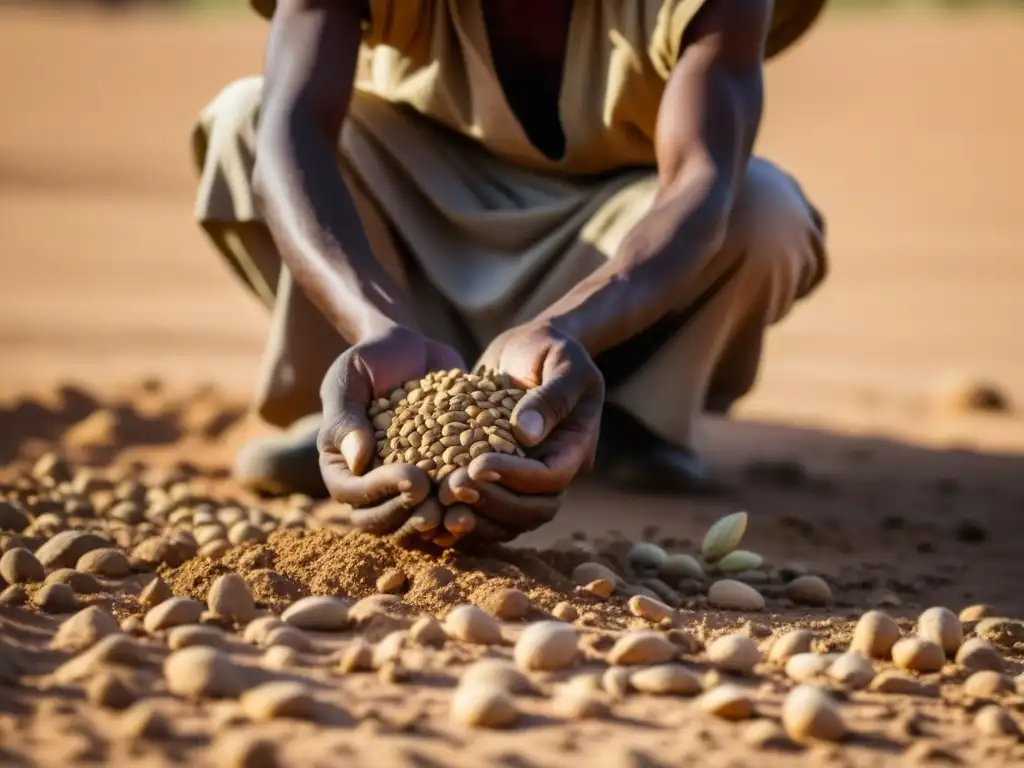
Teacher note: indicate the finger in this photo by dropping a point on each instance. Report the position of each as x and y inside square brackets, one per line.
[459, 520]
[520, 512]
[543, 408]
[401, 480]
[427, 516]
[384, 518]
[531, 476]
[457, 488]
[490, 532]
[446, 540]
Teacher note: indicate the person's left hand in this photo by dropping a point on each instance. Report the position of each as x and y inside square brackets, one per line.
[557, 421]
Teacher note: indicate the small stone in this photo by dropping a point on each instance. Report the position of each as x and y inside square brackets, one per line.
[230, 598]
[994, 722]
[891, 681]
[733, 595]
[809, 590]
[173, 612]
[765, 734]
[215, 549]
[133, 625]
[730, 702]
[579, 702]
[109, 562]
[14, 595]
[321, 613]
[724, 536]
[852, 670]
[427, 631]
[810, 714]
[154, 593]
[283, 699]
[483, 707]
[644, 556]
[391, 672]
[244, 749]
[290, 637]
[509, 605]
[972, 614]
[256, 631]
[875, 635]
[740, 560]
[12, 517]
[641, 648]
[84, 630]
[106, 689]
[918, 655]
[790, 644]
[200, 672]
[734, 653]
[190, 635]
[986, 684]
[600, 588]
[471, 625]
[280, 658]
[679, 567]
[496, 674]
[584, 573]
[391, 581]
[144, 721]
[977, 654]
[1000, 631]
[546, 645]
[50, 466]
[64, 549]
[20, 566]
[565, 612]
[81, 583]
[56, 598]
[651, 610]
[804, 667]
[158, 550]
[666, 679]
[244, 532]
[357, 656]
[616, 682]
[941, 626]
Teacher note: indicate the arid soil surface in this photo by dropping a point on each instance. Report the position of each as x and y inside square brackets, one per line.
[128, 348]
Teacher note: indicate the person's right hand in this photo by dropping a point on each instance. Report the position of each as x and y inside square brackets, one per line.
[384, 498]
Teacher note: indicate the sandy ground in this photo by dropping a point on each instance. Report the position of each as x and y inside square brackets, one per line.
[896, 127]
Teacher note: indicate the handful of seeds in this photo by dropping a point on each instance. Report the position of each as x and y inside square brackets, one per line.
[445, 420]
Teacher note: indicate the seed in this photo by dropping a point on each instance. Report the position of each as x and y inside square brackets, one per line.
[546, 645]
[471, 625]
[455, 429]
[644, 556]
[601, 588]
[918, 655]
[651, 610]
[809, 590]
[452, 417]
[641, 647]
[285, 698]
[804, 667]
[84, 630]
[941, 625]
[735, 653]
[322, 613]
[173, 612]
[986, 683]
[976, 654]
[875, 635]
[790, 644]
[200, 672]
[853, 670]
[451, 452]
[584, 573]
[724, 536]
[730, 702]
[678, 567]
[993, 721]
[391, 581]
[483, 707]
[500, 444]
[739, 560]
[230, 598]
[383, 420]
[496, 674]
[810, 714]
[735, 596]
[664, 679]
[427, 465]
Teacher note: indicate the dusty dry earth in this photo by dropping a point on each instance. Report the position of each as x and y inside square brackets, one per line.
[127, 348]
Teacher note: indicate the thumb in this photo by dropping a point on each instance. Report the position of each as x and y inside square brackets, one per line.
[543, 408]
[345, 395]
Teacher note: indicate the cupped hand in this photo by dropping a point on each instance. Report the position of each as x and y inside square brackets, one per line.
[557, 421]
[394, 497]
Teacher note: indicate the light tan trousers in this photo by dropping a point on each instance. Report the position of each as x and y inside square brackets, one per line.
[482, 246]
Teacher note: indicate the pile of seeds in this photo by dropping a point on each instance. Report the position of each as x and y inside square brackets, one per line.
[445, 420]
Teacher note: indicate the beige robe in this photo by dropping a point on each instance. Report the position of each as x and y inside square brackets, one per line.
[487, 231]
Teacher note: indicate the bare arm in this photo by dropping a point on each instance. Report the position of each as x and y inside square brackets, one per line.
[707, 123]
[309, 73]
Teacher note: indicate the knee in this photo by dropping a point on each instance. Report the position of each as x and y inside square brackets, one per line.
[780, 230]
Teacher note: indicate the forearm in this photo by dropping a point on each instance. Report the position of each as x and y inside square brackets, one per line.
[653, 271]
[314, 222]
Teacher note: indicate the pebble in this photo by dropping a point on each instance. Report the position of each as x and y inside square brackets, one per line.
[987, 683]
[724, 536]
[56, 598]
[853, 670]
[740, 560]
[809, 590]
[357, 656]
[389, 648]
[918, 655]
[105, 689]
[427, 631]
[173, 612]
[584, 573]
[977, 654]
[12, 518]
[941, 626]
[578, 702]
[734, 653]
[810, 714]
[546, 645]
[50, 466]
[133, 625]
[765, 734]
[257, 630]
[144, 721]
[230, 598]
[64, 549]
[154, 593]
[200, 672]
[14, 595]
[790, 644]
[497, 674]
[1000, 631]
[281, 699]
[20, 566]
[600, 588]
[565, 611]
[244, 749]
[81, 583]
[733, 595]
[215, 549]
[679, 567]
[652, 610]
[472, 625]
[875, 635]
[280, 657]
[321, 613]
[995, 722]
[804, 667]
[109, 562]
[644, 556]
[510, 605]
[190, 635]
[84, 630]
[483, 707]
[730, 702]
[972, 614]
[891, 681]
[391, 581]
[616, 682]
[370, 607]
[666, 679]
[289, 637]
[244, 532]
[392, 672]
[642, 647]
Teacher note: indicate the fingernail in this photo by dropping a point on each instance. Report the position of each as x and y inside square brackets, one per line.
[350, 445]
[404, 485]
[531, 424]
[467, 495]
[489, 476]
